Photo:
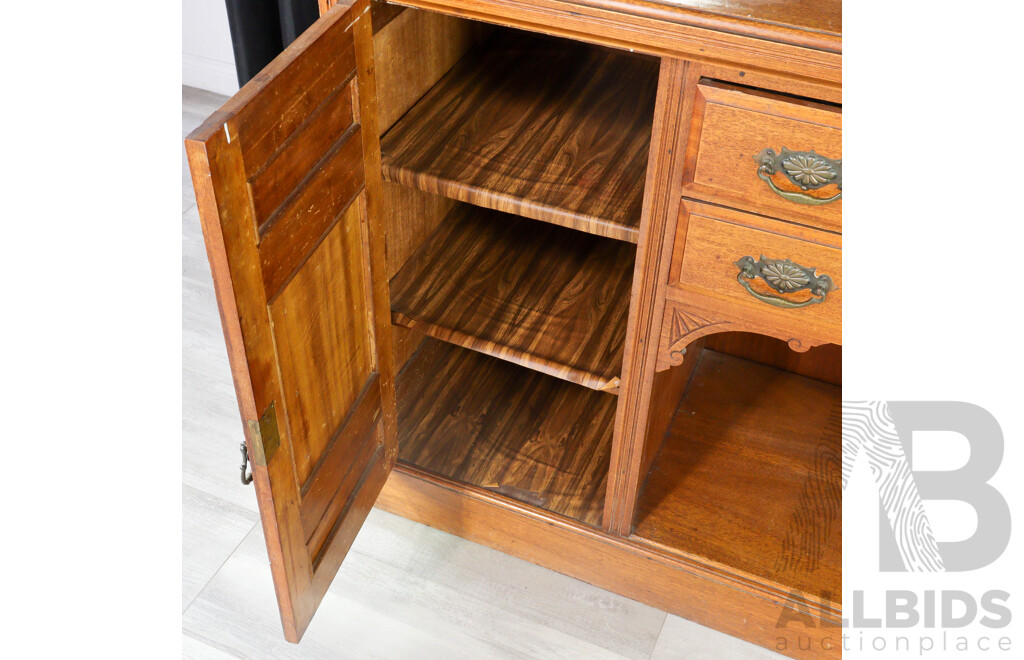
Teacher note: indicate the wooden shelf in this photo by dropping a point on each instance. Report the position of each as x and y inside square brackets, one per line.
[749, 477]
[545, 297]
[549, 129]
[474, 419]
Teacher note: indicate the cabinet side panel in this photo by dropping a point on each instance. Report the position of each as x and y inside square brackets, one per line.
[660, 211]
[668, 388]
[412, 51]
[411, 217]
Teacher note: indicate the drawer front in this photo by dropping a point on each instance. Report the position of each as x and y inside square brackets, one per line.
[760, 275]
[766, 153]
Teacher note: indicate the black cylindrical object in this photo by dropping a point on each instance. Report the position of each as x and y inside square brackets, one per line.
[260, 29]
[296, 16]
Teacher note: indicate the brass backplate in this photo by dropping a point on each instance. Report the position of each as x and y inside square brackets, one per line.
[265, 436]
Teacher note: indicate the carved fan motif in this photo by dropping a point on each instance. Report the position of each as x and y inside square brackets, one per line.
[683, 325]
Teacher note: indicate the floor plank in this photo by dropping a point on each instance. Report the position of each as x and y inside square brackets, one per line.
[194, 649]
[194, 264]
[211, 435]
[211, 426]
[372, 610]
[685, 639]
[608, 620]
[188, 195]
[196, 106]
[211, 530]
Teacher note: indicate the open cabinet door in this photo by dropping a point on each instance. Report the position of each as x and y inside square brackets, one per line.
[287, 175]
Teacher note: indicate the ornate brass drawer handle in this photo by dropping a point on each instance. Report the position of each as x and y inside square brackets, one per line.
[803, 168]
[786, 277]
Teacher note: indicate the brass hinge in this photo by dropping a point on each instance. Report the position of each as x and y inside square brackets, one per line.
[265, 436]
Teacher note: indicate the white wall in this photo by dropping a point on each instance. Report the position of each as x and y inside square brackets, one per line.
[207, 61]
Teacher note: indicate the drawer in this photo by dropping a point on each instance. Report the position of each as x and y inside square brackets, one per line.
[766, 153]
[751, 273]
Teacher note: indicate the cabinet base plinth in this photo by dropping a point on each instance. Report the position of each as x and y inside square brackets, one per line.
[705, 594]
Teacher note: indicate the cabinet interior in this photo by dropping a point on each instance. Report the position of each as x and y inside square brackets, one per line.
[514, 181]
[510, 267]
[748, 474]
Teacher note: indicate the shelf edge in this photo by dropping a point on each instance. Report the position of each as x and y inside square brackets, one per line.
[498, 201]
[558, 370]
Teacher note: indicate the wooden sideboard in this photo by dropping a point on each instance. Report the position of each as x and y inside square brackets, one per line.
[561, 277]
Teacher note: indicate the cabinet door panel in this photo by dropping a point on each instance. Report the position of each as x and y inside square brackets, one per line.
[287, 175]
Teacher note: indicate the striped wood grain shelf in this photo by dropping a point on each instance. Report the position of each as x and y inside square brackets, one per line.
[548, 129]
[542, 296]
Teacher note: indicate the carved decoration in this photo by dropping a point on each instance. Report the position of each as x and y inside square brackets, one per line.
[683, 325]
[799, 346]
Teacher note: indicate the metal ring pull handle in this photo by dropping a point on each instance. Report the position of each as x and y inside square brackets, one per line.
[246, 475]
[805, 169]
[786, 277]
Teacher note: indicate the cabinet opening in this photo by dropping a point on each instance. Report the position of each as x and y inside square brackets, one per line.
[514, 167]
[514, 171]
[491, 424]
[748, 475]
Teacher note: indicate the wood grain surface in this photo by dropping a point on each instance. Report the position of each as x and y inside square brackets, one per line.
[412, 216]
[411, 52]
[549, 129]
[287, 181]
[647, 301]
[823, 362]
[536, 294]
[382, 13]
[823, 16]
[709, 241]
[532, 450]
[668, 388]
[749, 476]
[325, 346]
[479, 420]
[731, 124]
[661, 29]
[810, 22]
[311, 211]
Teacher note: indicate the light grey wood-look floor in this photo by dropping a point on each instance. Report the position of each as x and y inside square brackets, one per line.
[405, 590]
